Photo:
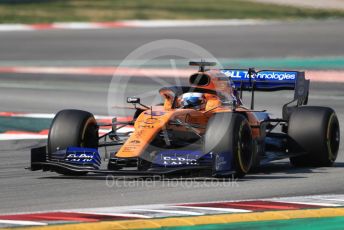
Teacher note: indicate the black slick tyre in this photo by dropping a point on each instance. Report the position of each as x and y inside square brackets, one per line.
[230, 133]
[72, 128]
[314, 131]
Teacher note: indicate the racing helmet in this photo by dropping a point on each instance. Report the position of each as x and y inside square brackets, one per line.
[193, 100]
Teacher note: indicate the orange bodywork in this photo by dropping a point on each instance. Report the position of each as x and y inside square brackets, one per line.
[151, 123]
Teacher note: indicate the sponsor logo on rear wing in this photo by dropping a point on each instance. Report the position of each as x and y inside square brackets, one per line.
[264, 80]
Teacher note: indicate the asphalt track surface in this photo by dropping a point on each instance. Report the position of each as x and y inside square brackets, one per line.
[300, 39]
[23, 191]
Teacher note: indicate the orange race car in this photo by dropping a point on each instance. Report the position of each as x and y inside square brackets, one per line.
[201, 129]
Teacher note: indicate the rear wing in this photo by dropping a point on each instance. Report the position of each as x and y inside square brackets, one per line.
[264, 80]
[270, 80]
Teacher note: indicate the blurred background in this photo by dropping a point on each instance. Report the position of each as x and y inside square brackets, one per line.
[59, 54]
[43, 11]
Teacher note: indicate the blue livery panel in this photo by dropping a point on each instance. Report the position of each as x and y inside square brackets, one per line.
[78, 156]
[265, 80]
[174, 158]
[177, 157]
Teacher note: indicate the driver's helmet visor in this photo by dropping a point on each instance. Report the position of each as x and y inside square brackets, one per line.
[190, 100]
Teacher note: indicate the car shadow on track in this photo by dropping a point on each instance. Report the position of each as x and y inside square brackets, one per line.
[284, 168]
[265, 172]
[339, 164]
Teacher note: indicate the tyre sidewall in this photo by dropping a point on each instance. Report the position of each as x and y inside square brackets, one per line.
[72, 128]
[224, 133]
[309, 130]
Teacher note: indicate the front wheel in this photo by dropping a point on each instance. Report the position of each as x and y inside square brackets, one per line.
[228, 138]
[72, 128]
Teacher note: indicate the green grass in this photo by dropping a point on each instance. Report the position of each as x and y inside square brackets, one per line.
[44, 11]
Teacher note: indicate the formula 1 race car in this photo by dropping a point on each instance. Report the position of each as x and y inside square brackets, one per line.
[201, 129]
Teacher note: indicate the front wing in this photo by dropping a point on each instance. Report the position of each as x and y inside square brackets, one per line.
[40, 161]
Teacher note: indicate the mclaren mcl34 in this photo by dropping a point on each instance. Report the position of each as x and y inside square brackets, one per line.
[200, 129]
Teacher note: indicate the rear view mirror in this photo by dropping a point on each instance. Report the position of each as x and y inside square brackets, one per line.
[133, 100]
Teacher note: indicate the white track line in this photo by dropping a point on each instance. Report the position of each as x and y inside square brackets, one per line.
[22, 222]
[117, 214]
[42, 115]
[214, 209]
[311, 203]
[193, 23]
[23, 136]
[336, 200]
[321, 200]
[15, 27]
[313, 75]
[169, 211]
[8, 137]
[33, 136]
[132, 24]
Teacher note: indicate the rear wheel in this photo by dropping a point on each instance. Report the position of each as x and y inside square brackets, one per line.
[228, 136]
[314, 131]
[72, 128]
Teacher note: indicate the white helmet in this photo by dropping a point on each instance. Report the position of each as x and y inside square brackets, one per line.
[193, 100]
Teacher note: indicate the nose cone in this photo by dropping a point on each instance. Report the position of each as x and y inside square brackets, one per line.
[147, 126]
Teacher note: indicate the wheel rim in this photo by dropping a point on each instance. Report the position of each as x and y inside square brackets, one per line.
[333, 138]
[89, 135]
[245, 148]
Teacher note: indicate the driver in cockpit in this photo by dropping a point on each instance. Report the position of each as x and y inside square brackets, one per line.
[193, 100]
